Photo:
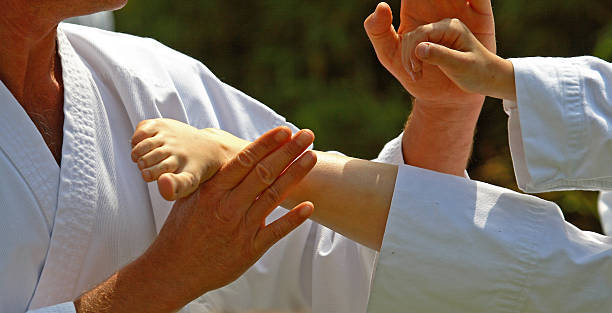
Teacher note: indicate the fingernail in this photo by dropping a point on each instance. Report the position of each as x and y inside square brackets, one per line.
[307, 159]
[141, 164]
[146, 174]
[422, 50]
[306, 210]
[304, 138]
[281, 136]
[412, 63]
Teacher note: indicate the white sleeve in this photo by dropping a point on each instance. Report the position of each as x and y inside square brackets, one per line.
[455, 245]
[67, 307]
[559, 130]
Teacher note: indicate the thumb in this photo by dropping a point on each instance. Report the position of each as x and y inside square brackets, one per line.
[383, 36]
[441, 56]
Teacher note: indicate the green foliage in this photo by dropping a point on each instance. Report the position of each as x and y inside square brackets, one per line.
[312, 62]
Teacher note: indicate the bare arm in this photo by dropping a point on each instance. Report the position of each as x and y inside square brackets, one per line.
[352, 196]
[438, 135]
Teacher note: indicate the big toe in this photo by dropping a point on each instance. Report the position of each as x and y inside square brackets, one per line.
[174, 186]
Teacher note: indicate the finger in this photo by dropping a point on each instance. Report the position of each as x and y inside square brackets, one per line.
[270, 168]
[280, 228]
[238, 167]
[143, 131]
[169, 165]
[409, 42]
[174, 186]
[153, 157]
[145, 146]
[276, 193]
[445, 58]
[382, 34]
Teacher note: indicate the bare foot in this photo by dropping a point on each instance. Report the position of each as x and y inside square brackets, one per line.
[180, 156]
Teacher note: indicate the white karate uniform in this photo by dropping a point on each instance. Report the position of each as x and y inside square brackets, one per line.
[451, 245]
[458, 246]
[65, 230]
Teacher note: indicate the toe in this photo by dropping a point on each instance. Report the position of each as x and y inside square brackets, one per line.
[145, 147]
[166, 183]
[169, 165]
[174, 186]
[152, 158]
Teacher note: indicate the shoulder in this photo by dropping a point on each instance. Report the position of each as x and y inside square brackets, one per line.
[172, 80]
[135, 56]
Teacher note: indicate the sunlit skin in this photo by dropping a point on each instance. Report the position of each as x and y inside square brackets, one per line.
[439, 132]
[434, 86]
[450, 46]
[30, 62]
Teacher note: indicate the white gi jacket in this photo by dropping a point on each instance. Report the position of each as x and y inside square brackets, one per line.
[65, 230]
[458, 246]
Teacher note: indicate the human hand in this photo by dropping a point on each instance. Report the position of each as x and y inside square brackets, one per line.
[213, 236]
[434, 88]
[449, 45]
[181, 157]
[216, 234]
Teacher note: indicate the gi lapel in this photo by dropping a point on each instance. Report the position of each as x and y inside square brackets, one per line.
[25, 147]
[77, 199]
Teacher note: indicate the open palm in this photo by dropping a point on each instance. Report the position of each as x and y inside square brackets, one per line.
[434, 86]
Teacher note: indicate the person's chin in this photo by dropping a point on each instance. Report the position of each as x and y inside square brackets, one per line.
[112, 5]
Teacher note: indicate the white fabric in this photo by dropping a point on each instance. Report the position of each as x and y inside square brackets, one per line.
[455, 245]
[66, 229]
[560, 134]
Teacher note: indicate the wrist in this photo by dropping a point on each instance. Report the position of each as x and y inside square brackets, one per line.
[502, 85]
[439, 138]
[448, 114]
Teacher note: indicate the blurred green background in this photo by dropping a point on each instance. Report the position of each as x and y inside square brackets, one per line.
[311, 61]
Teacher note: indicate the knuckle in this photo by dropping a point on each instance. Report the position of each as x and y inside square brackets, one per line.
[272, 195]
[278, 231]
[291, 150]
[246, 158]
[223, 212]
[264, 174]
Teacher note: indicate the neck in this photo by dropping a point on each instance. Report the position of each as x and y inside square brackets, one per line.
[29, 61]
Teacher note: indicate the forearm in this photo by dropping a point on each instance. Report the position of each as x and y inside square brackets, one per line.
[440, 139]
[351, 196]
[137, 287]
